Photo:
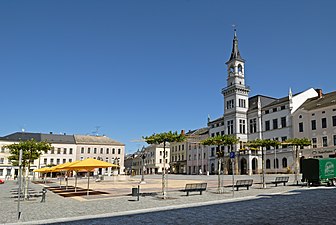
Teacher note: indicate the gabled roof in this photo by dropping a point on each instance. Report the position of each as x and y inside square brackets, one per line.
[51, 138]
[95, 140]
[326, 100]
[200, 131]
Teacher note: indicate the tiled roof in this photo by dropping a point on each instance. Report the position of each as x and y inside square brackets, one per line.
[326, 100]
[95, 140]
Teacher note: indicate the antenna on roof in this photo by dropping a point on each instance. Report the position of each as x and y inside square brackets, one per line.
[96, 131]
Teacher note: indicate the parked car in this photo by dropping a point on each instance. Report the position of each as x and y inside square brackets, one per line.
[2, 181]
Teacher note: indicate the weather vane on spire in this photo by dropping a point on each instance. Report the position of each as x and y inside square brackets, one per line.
[234, 27]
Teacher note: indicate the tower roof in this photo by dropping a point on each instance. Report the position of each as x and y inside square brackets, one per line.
[235, 54]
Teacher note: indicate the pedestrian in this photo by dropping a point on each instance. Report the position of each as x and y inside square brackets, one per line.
[44, 191]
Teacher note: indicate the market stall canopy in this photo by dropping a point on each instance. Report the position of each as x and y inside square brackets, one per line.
[44, 170]
[64, 166]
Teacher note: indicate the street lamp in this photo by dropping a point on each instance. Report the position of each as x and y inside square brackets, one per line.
[143, 157]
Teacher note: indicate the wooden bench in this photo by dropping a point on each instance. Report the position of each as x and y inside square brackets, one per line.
[279, 180]
[195, 188]
[243, 183]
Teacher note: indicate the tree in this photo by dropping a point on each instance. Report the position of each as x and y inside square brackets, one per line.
[297, 143]
[220, 140]
[164, 138]
[258, 143]
[31, 150]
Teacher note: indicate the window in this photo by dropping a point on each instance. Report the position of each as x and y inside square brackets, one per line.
[70, 160]
[314, 142]
[70, 151]
[230, 126]
[283, 107]
[242, 103]
[212, 135]
[334, 121]
[212, 152]
[182, 147]
[324, 122]
[59, 151]
[283, 122]
[230, 104]
[2, 149]
[222, 133]
[95, 151]
[301, 127]
[325, 141]
[160, 153]
[283, 139]
[284, 162]
[113, 151]
[64, 151]
[1, 172]
[160, 160]
[119, 150]
[58, 161]
[52, 151]
[253, 125]
[267, 111]
[240, 68]
[101, 151]
[334, 140]
[51, 161]
[275, 109]
[2, 160]
[189, 157]
[267, 125]
[275, 123]
[313, 124]
[64, 160]
[107, 151]
[268, 164]
[242, 126]
[82, 150]
[89, 150]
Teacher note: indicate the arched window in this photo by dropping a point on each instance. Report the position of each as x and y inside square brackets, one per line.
[240, 68]
[268, 164]
[284, 162]
[231, 69]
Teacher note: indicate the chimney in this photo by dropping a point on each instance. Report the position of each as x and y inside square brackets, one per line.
[50, 132]
[182, 132]
[319, 93]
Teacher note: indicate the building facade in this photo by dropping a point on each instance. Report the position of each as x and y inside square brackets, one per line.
[150, 159]
[249, 118]
[65, 148]
[316, 120]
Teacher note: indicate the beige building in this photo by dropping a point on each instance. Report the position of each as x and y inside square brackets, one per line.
[316, 120]
[150, 159]
[66, 148]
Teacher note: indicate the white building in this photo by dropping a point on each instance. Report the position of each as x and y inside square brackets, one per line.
[66, 148]
[258, 117]
[316, 120]
[151, 159]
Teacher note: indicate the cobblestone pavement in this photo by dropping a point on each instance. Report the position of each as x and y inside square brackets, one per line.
[273, 205]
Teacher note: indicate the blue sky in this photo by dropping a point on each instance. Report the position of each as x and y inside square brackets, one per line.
[132, 68]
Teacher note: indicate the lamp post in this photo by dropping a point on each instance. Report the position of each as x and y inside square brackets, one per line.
[143, 157]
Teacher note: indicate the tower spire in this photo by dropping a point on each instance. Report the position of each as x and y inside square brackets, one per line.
[235, 54]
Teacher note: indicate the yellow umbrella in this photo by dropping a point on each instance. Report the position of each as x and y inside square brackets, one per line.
[90, 164]
[43, 170]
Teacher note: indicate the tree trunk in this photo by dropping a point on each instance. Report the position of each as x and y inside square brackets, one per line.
[219, 173]
[164, 172]
[263, 167]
